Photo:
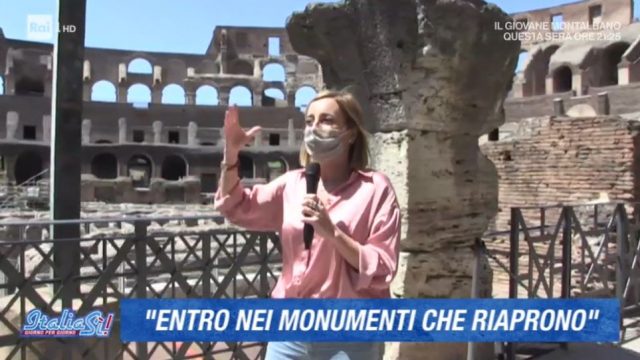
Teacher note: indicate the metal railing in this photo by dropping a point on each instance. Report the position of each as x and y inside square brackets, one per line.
[573, 251]
[131, 258]
[33, 191]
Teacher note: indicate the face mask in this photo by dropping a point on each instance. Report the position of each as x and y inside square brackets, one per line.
[323, 145]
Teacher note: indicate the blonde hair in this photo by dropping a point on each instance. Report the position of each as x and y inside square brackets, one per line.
[350, 107]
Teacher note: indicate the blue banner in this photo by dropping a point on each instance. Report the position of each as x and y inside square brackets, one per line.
[407, 320]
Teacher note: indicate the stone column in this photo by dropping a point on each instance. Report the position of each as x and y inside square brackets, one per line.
[122, 130]
[46, 128]
[223, 96]
[192, 134]
[190, 98]
[257, 98]
[157, 132]
[156, 95]
[291, 98]
[291, 134]
[426, 100]
[13, 122]
[121, 95]
[86, 131]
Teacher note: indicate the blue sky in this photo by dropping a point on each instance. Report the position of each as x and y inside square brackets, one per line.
[182, 26]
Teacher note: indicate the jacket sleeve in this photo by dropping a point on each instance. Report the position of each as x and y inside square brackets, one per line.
[258, 209]
[378, 257]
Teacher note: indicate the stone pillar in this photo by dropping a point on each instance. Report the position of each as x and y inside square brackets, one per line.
[86, 131]
[257, 141]
[576, 84]
[257, 98]
[291, 98]
[548, 85]
[223, 97]
[156, 95]
[121, 95]
[603, 104]
[190, 98]
[257, 71]
[9, 85]
[291, 134]
[46, 128]
[13, 122]
[157, 132]
[192, 134]
[122, 130]
[558, 107]
[623, 73]
[426, 102]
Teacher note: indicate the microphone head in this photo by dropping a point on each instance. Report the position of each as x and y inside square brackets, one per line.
[312, 170]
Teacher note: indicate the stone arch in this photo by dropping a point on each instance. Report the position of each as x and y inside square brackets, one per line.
[1, 85]
[246, 168]
[104, 166]
[303, 96]
[276, 168]
[140, 66]
[28, 164]
[207, 95]
[562, 79]
[139, 169]
[270, 95]
[173, 94]
[26, 85]
[240, 95]
[536, 71]
[240, 67]
[611, 57]
[174, 167]
[274, 72]
[103, 90]
[139, 93]
[522, 60]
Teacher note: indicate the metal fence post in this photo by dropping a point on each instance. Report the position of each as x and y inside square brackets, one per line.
[514, 253]
[141, 279]
[566, 252]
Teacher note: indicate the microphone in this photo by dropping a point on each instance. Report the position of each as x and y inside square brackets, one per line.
[312, 175]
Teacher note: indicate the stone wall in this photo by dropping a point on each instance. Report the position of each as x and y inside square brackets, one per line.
[566, 161]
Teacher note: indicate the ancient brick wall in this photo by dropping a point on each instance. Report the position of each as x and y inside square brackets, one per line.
[566, 161]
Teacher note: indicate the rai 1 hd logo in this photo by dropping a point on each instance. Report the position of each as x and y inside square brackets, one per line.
[39, 27]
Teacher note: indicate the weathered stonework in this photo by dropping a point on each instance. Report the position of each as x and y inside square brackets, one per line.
[432, 76]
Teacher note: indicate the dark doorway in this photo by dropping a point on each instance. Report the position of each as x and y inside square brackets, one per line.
[28, 165]
[562, 79]
[104, 166]
[173, 168]
[139, 169]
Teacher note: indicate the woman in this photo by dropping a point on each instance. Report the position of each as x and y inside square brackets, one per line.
[355, 216]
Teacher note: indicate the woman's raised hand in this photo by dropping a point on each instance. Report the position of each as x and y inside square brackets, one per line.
[235, 138]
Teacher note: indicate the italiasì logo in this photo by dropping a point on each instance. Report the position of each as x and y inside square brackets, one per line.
[94, 324]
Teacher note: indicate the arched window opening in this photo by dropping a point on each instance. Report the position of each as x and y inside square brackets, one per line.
[140, 66]
[562, 79]
[240, 96]
[103, 90]
[174, 168]
[173, 94]
[139, 170]
[104, 166]
[207, 95]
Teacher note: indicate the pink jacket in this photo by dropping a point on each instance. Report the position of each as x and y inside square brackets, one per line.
[365, 208]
